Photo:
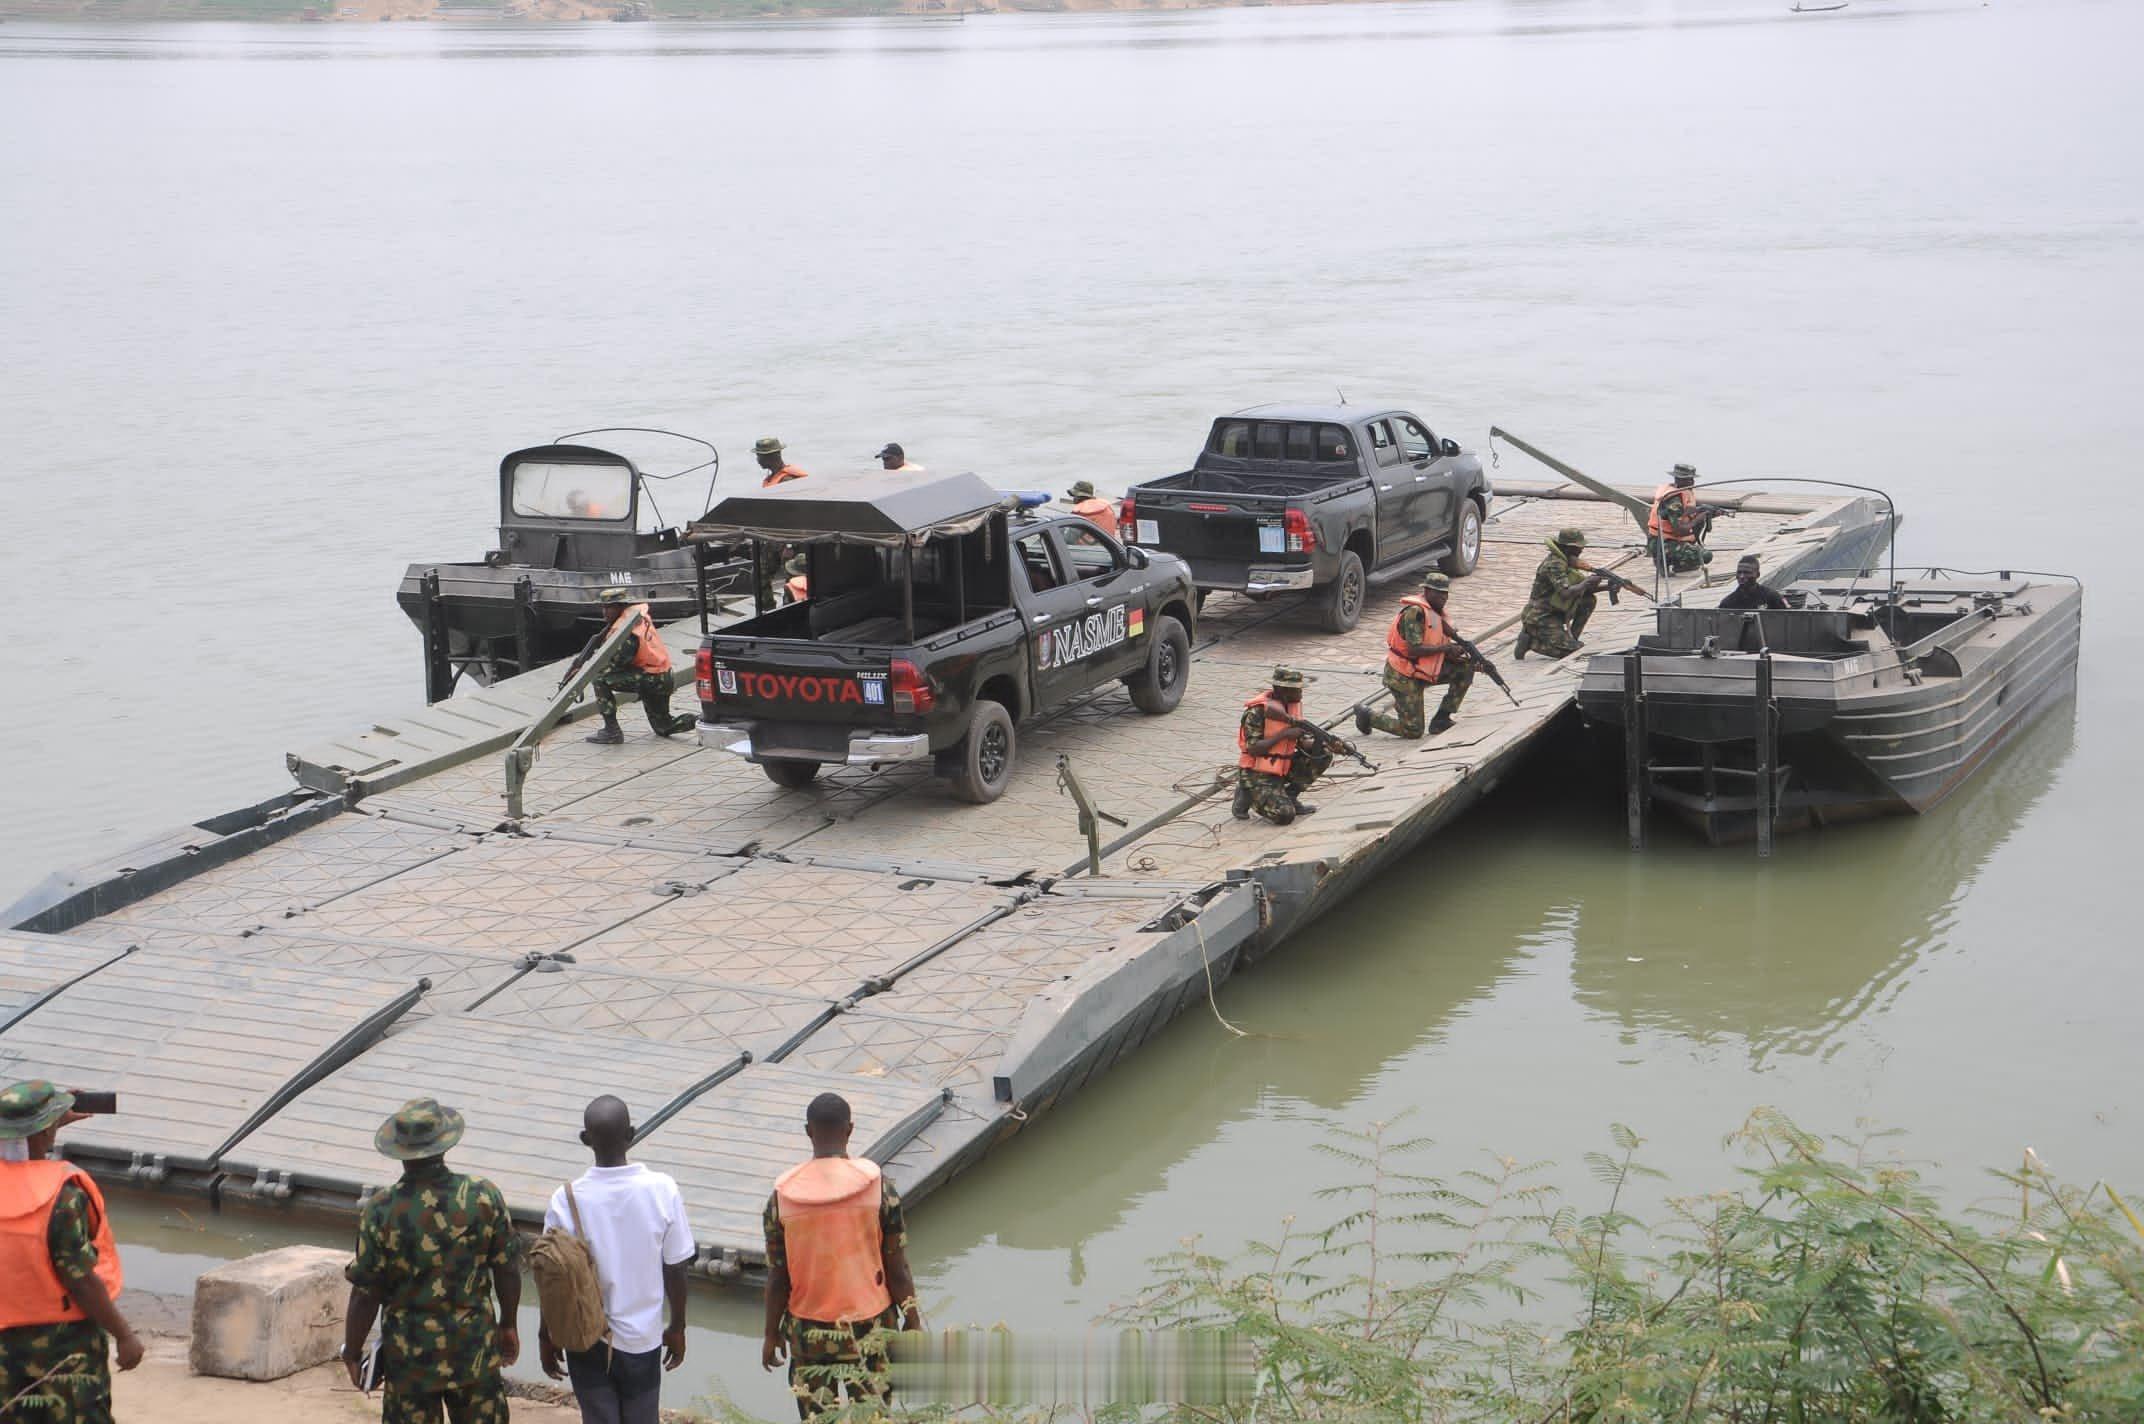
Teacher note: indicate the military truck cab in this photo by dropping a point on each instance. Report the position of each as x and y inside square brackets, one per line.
[940, 617]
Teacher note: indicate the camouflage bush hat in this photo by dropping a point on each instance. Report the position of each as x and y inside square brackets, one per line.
[1289, 677]
[421, 1129]
[617, 595]
[1572, 538]
[767, 445]
[1084, 489]
[1434, 582]
[27, 1109]
[1683, 474]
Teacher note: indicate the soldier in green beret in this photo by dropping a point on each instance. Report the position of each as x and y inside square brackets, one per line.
[59, 1271]
[436, 1250]
[1564, 594]
[1275, 763]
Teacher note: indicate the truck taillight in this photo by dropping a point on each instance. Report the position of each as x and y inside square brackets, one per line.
[912, 692]
[1128, 520]
[1301, 537]
[703, 674]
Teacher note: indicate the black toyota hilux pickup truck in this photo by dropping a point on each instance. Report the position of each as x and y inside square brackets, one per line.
[1317, 499]
[939, 617]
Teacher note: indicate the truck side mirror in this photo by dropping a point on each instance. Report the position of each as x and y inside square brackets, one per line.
[1136, 556]
[1451, 446]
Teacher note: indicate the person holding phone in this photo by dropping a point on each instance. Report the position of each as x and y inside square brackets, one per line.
[59, 1270]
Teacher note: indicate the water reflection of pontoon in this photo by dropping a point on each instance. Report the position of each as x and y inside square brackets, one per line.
[1784, 960]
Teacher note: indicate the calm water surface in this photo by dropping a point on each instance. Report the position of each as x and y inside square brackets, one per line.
[273, 301]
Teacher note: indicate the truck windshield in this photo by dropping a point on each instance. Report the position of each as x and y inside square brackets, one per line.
[545, 490]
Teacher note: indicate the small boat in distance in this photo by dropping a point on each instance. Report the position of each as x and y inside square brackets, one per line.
[1854, 701]
[1801, 9]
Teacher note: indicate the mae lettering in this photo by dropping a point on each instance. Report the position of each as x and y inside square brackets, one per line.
[1096, 633]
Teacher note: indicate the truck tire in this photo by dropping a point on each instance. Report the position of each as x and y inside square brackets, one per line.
[1160, 685]
[982, 767]
[790, 772]
[1344, 595]
[1466, 540]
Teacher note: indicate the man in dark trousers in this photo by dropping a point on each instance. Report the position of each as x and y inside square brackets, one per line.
[59, 1270]
[640, 668]
[1748, 593]
[838, 1280]
[634, 1223]
[437, 1250]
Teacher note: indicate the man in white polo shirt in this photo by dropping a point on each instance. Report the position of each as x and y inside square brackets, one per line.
[634, 1221]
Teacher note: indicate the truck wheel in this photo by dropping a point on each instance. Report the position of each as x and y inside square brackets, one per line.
[790, 772]
[1466, 541]
[1160, 686]
[983, 760]
[1343, 596]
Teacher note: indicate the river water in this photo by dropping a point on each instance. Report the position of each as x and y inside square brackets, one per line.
[274, 300]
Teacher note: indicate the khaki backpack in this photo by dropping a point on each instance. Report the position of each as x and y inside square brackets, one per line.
[567, 1289]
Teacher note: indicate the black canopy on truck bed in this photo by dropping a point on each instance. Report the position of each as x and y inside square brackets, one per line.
[884, 509]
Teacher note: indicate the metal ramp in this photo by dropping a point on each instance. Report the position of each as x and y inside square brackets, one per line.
[195, 1047]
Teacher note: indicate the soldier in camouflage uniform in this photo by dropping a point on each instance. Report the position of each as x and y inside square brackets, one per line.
[1563, 597]
[828, 1358]
[434, 1250]
[1273, 769]
[1408, 641]
[632, 672]
[1676, 529]
[55, 1302]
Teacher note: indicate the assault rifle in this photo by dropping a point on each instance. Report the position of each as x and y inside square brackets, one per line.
[1480, 659]
[1337, 744]
[1617, 584]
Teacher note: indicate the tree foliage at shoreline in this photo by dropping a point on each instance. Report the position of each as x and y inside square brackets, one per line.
[1827, 1289]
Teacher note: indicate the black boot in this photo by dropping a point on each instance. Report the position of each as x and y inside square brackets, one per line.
[674, 725]
[1362, 719]
[1442, 722]
[1240, 808]
[608, 735]
[1522, 645]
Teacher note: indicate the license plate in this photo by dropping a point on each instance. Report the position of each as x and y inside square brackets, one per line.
[1149, 532]
[1272, 539]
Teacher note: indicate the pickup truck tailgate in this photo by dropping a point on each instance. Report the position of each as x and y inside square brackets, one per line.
[1214, 529]
[797, 682]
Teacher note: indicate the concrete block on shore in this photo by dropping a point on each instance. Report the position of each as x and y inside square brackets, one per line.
[270, 1315]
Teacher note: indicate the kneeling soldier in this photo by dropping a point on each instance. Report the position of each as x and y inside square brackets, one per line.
[1563, 598]
[640, 668]
[1419, 654]
[1272, 771]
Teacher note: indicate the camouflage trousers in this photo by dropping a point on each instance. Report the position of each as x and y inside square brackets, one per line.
[827, 1360]
[652, 688]
[1681, 558]
[1274, 797]
[1408, 695]
[481, 1403]
[73, 1359]
[1553, 633]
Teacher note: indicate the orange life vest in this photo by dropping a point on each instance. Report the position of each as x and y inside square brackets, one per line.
[651, 656]
[837, 1267]
[782, 477]
[35, 1294]
[1100, 512]
[799, 588]
[1660, 527]
[1281, 759]
[1436, 628]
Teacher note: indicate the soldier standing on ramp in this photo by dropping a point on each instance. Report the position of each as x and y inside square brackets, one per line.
[1420, 654]
[641, 668]
[436, 1250]
[1563, 598]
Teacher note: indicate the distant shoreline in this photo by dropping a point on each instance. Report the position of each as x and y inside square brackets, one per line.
[580, 11]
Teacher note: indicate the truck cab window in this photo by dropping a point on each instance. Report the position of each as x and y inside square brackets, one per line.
[1091, 554]
[1233, 439]
[1302, 443]
[1268, 440]
[1333, 443]
[1414, 440]
[1039, 561]
[1382, 444]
